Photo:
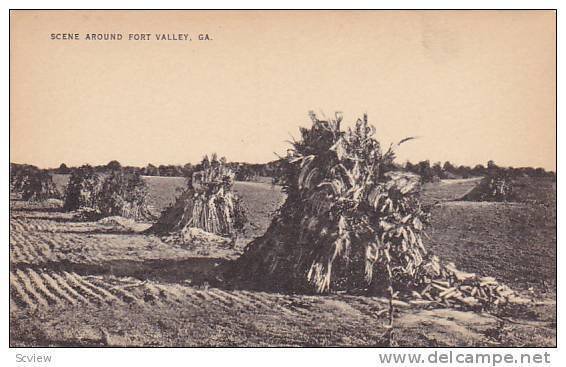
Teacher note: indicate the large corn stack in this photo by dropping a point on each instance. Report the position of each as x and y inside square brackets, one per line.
[352, 221]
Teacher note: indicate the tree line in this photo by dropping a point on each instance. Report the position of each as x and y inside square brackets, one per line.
[437, 171]
[244, 171]
[253, 171]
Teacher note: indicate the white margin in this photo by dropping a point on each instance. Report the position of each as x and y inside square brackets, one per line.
[246, 357]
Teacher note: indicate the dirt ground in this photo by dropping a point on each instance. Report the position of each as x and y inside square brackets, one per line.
[107, 284]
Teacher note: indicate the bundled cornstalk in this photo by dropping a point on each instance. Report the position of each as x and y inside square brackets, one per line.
[117, 194]
[208, 203]
[34, 184]
[350, 222]
[18, 176]
[494, 187]
[82, 189]
[125, 195]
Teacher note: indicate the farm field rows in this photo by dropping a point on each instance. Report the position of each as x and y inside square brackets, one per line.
[93, 283]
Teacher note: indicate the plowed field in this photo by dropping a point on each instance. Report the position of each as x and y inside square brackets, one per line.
[95, 284]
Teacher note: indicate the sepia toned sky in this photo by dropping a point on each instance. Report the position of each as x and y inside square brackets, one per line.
[474, 86]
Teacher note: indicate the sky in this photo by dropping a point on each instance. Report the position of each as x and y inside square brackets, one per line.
[472, 85]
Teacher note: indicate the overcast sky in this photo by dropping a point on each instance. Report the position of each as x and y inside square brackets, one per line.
[473, 85]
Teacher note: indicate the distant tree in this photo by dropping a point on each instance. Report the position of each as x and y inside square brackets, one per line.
[170, 170]
[151, 170]
[204, 163]
[465, 171]
[448, 167]
[132, 170]
[245, 172]
[63, 169]
[425, 171]
[188, 169]
[437, 170]
[114, 165]
[163, 171]
[177, 171]
[479, 170]
[540, 172]
[493, 169]
[529, 171]
[409, 166]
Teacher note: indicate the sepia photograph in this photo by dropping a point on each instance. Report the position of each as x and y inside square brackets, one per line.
[282, 178]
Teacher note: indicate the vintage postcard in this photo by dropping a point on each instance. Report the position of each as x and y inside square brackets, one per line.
[255, 178]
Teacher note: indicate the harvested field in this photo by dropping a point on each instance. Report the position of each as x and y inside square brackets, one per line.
[524, 240]
[103, 284]
[481, 236]
[448, 190]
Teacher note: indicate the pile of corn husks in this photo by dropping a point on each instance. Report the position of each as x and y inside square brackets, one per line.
[446, 285]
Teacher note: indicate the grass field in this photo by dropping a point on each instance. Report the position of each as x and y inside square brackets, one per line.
[106, 284]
